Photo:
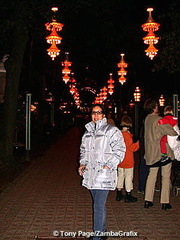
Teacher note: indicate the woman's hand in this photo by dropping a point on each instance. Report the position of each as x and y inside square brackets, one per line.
[82, 169]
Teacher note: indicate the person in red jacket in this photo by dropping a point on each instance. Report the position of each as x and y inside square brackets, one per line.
[167, 119]
[126, 167]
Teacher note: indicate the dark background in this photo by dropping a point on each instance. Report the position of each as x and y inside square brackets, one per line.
[95, 35]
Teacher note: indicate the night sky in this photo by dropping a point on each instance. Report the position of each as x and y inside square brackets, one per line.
[96, 35]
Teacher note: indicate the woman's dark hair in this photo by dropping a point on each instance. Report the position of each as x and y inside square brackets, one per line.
[99, 105]
[150, 105]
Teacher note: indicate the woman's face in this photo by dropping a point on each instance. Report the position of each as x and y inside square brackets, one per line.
[97, 114]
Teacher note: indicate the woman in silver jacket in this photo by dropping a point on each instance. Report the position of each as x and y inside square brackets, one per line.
[102, 149]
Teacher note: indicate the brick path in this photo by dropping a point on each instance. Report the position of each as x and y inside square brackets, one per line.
[48, 196]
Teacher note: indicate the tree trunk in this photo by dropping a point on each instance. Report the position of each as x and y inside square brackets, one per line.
[13, 71]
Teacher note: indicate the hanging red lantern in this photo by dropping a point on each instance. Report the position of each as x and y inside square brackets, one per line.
[122, 80]
[111, 91]
[150, 37]
[104, 92]
[122, 72]
[66, 64]
[161, 101]
[150, 26]
[137, 95]
[122, 63]
[72, 90]
[66, 78]
[66, 70]
[53, 51]
[53, 38]
[151, 51]
[110, 85]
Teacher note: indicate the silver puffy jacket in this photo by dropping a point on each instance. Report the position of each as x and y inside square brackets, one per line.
[102, 145]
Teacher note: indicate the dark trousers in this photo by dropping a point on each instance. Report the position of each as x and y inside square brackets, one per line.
[143, 174]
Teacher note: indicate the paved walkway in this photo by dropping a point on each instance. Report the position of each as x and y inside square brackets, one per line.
[47, 196]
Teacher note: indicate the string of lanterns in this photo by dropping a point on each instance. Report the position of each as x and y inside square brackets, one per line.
[68, 77]
[74, 90]
[150, 26]
[101, 97]
[54, 51]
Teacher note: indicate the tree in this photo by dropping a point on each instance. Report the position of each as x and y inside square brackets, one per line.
[19, 20]
[169, 53]
[17, 23]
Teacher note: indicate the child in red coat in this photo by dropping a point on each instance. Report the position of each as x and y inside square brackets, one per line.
[167, 119]
[126, 167]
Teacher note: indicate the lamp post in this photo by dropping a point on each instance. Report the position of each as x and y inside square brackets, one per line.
[175, 104]
[28, 125]
[137, 98]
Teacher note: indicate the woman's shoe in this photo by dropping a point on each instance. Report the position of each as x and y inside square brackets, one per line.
[148, 204]
[166, 206]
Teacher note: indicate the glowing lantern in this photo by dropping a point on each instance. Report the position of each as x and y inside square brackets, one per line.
[122, 72]
[53, 51]
[58, 26]
[122, 80]
[161, 100]
[151, 38]
[66, 64]
[111, 85]
[111, 91]
[97, 99]
[53, 38]
[151, 51]
[76, 95]
[54, 23]
[104, 92]
[66, 70]
[137, 95]
[150, 26]
[122, 63]
[66, 78]
[72, 90]
[101, 99]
